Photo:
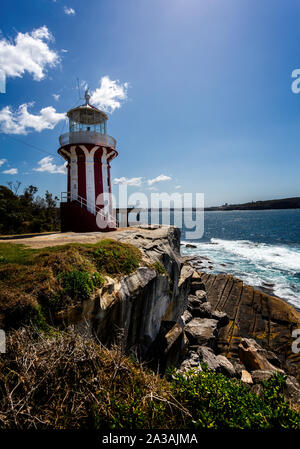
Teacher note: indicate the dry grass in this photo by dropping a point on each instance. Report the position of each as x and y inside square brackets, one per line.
[68, 382]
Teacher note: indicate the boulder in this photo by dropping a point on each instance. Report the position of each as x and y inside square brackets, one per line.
[225, 366]
[205, 310]
[207, 356]
[196, 283]
[221, 317]
[201, 310]
[202, 331]
[172, 337]
[191, 361]
[169, 346]
[201, 294]
[186, 317]
[260, 376]
[239, 367]
[254, 356]
[217, 363]
[193, 305]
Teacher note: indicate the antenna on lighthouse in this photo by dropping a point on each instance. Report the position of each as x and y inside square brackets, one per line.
[87, 95]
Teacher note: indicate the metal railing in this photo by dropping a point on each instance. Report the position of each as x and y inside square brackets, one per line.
[87, 137]
[92, 208]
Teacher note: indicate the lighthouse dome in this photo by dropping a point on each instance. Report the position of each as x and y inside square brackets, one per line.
[87, 124]
[87, 118]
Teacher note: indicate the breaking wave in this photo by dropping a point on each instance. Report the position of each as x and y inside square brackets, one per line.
[273, 267]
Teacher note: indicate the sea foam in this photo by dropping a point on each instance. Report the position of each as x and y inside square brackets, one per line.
[276, 267]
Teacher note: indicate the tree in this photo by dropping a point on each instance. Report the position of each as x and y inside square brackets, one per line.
[14, 187]
[27, 212]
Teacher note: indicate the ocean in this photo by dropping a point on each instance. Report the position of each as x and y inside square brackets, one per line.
[260, 247]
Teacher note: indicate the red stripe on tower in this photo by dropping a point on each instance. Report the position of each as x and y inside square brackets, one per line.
[81, 161]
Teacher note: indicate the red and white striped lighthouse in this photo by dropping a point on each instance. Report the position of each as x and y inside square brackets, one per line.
[87, 204]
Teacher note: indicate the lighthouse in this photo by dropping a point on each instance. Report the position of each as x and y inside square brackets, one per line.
[87, 204]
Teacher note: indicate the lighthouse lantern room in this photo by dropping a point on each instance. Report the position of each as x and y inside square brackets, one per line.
[88, 150]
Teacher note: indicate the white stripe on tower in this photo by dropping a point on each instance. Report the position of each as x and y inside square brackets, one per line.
[104, 164]
[74, 173]
[90, 178]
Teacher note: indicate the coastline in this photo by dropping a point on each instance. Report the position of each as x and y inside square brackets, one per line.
[204, 264]
[270, 266]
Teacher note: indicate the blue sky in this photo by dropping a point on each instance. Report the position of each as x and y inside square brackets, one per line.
[198, 91]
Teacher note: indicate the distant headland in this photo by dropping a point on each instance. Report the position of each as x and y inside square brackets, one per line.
[285, 203]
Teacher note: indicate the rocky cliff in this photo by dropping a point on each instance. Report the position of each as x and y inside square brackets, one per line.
[137, 305]
[147, 305]
[252, 313]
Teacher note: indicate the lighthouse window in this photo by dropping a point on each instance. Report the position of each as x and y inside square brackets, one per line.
[87, 120]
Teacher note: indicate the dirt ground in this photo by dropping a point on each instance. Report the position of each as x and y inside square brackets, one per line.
[54, 239]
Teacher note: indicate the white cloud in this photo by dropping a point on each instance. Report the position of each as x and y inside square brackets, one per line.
[2, 161]
[159, 178]
[22, 122]
[11, 171]
[28, 53]
[128, 181]
[178, 187]
[56, 96]
[109, 95]
[69, 11]
[46, 165]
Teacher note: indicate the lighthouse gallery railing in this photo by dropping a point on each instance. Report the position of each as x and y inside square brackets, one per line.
[87, 137]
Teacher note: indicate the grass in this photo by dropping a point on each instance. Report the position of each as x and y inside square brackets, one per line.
[16, 253]
[35, 281]
[159, 268]
[113, 257]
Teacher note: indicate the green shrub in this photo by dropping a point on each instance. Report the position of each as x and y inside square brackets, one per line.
[80, 284]
[114, 257]
[38, 319]
[216, 402]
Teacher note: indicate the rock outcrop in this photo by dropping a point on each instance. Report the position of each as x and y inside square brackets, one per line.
[253, 314]
[138, 305]
[206, 323]
[255, 357]
[202, 331]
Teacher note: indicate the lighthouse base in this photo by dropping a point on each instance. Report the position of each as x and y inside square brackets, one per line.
[75, 218]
